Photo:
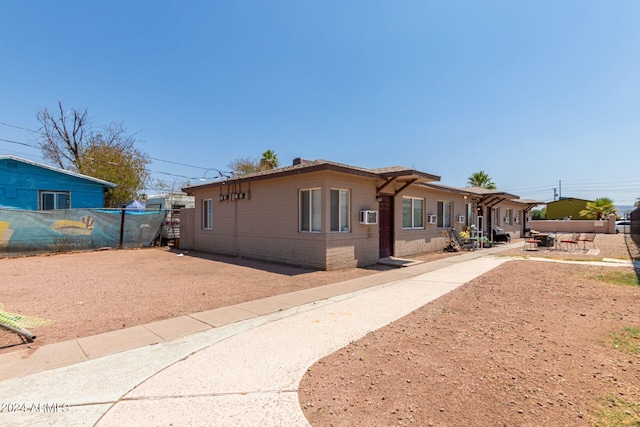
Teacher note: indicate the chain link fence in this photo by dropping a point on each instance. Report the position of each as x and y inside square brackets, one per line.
[36, 232]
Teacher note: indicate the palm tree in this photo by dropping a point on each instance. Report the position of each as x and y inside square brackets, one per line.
[599, 208]
[481, 179]
[269, 160]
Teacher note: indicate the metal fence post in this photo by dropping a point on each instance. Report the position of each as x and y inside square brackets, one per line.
[122, 228]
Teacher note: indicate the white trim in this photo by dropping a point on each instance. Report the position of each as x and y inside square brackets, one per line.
[66, 172]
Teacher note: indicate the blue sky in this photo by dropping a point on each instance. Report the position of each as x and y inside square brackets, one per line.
[537, 94]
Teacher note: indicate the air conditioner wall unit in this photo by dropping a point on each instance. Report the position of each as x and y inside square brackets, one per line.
[461, 219]
[368, 217]
[432, 219]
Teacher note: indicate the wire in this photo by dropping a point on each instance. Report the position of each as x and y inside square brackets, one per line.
[151, 158]
[17, 142]
[18, 127]
[148, 170]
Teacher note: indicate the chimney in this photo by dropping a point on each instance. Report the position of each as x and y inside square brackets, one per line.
[299, 161]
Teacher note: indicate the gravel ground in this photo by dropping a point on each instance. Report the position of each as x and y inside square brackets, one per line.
[527, 344]
[93, 292]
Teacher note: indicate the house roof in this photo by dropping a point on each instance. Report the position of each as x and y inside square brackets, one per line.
[529, 201]
[448, 188]
[484, 194]
[63, 171]
[394, 173]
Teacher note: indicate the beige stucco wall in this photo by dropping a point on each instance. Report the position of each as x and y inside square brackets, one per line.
[518, 221]
[265, 224]
[607, 226]
[431, 238]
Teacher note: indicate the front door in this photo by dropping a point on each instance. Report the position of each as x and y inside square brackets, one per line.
[386, 226]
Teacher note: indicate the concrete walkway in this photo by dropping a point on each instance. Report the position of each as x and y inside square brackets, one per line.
[234, 366]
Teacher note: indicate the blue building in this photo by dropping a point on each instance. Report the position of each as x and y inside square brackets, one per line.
[28, 185]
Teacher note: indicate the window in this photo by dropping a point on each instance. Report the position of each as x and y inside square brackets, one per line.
[412, 212]
[50, 200]
[495, 216]
[207, 214]
[444, 214]
[508, 216]
[469, 211]
[340, 210]
[310, 210]
[517, 217]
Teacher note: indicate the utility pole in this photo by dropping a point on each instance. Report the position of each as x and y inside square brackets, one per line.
[560, 187]
[555, 194]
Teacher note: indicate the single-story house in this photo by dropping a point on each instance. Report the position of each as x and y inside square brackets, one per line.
[29, 185]
[489, 210]
[328, 215]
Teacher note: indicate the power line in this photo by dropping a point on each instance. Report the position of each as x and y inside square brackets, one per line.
[18, 142]
[18, 127]
[151, 158]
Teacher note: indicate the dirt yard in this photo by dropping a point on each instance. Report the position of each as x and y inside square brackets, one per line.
[93, 292]
[527, 344]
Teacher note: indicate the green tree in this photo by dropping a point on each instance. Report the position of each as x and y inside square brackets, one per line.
[599, 208]
[269, 160]
[539, 213]
[481, 179]
[246, 165]
[126, 167]
[637, 203]
[68, 140]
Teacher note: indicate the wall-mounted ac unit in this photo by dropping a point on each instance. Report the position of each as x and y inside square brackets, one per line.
[368, 217]
[461, 219]
[432, 219]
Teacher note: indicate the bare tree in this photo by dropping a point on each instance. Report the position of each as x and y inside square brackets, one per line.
[62, 138]
[68, 140]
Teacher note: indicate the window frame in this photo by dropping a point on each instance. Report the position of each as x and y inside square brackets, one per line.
[342, 210]
[469, 213]
[495, 216]
[508, 216]
[314, 213]
[442, 214]
[55, 195]
[412, 212]
[207, 214]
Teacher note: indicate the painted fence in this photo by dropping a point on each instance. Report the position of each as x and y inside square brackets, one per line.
[23, 232]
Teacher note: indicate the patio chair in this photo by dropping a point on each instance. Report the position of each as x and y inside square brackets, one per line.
[573, 239]
[500, 236]
[531, 244]
[588, 238]
[462, 243]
